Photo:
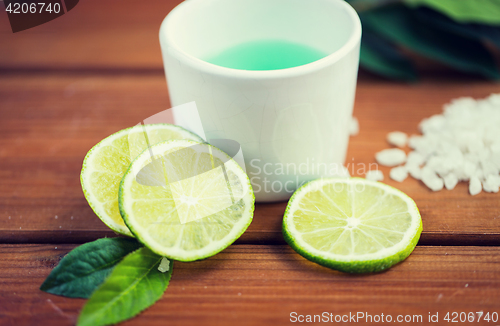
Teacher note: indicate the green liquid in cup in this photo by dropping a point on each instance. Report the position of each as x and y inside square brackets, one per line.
[266, 55]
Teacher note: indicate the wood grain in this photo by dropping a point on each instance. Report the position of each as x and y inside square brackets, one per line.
[101, 35]
[49, 122]
[109, 36]
[256, 285]
[69, 83]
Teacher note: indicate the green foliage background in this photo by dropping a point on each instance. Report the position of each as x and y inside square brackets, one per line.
[458, 33]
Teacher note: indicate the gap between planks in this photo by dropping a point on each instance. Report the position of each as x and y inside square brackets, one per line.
[248, 238]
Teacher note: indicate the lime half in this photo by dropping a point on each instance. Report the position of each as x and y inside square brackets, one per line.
[105, 164]
[352, 225]
[186, 200]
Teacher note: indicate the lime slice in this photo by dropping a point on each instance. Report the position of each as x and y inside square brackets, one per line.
[105, 164]
[186, 200]
[352, 225]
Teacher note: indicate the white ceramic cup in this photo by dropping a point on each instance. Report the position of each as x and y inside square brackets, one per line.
[292, 124]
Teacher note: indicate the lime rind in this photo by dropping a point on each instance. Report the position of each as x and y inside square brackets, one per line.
[367, 263]
[93, 202]
[125, 206]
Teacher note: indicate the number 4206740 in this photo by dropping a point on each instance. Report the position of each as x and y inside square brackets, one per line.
[462, 317]
[33, 8]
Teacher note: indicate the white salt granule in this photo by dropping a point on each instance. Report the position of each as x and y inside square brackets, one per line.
[450, 181]
[495, 158]
[414, 171]
[468, 170]
[374, 175]
[488, 168]
[353, 127]
[474, 186]
[414, 141]
[397, 138]
[431, 179]
[492, 183]
[391, 157]
[461, 144]
[164, 265]
[415, 158]
[399, 173]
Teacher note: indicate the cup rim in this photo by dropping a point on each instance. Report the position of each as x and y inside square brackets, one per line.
[167, 43]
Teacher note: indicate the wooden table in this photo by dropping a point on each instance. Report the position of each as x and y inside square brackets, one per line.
[69, 83]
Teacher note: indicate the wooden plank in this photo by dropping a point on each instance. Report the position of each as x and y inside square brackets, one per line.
[49, 122]
[262, 285]
[94, 35]
[385, 107]
[102, 36]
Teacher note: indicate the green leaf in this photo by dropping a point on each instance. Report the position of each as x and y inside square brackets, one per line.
[82, 270]
[135, 284]
[362, 5]
[474, 31]
[399, 24]
[464, 11]
[382, 57]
